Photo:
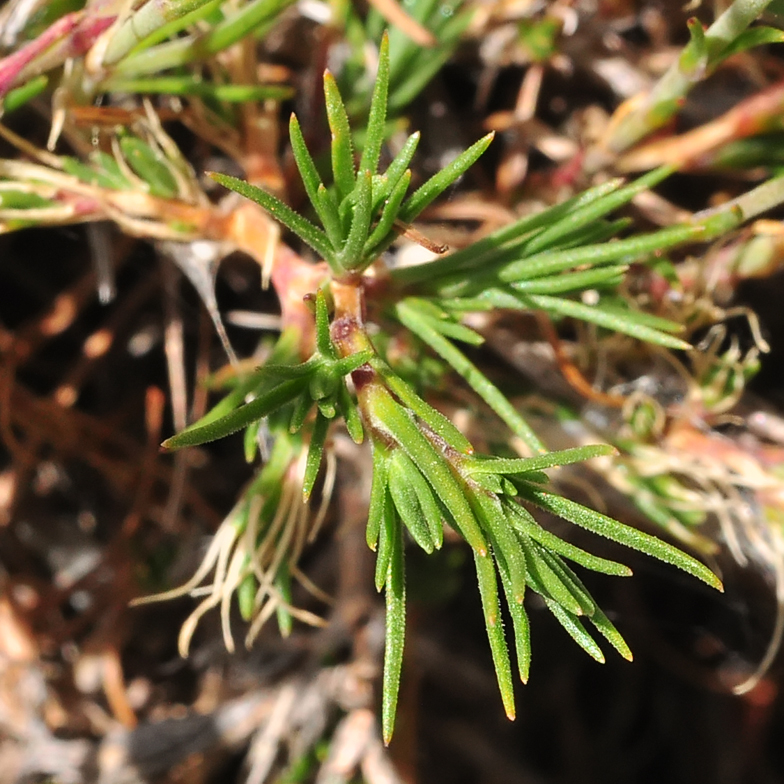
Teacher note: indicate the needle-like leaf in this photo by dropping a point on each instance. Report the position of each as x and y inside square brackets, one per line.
[351, 256]
[395, 595]
[433, 466]
[488, 590]
[342, 155]
[376, 125]
[618, 532]
[316, 449]
[475, 378]
[378, 491]
[439, 182]
[502, 465]
[401, 488]
[241, 417]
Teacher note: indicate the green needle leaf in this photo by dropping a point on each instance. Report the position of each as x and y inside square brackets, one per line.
[315, 451]
[585, 216]
[350, 256]
[149, 166]
[520, 624]
[395, 595]
[618, 532]
[387, 220]
[488, 590]
[399, 166]
[569, 580]
[19, 96]
[300, 413]
[576, 630]
[749, 39]
[487, 250]
[350, 413]
[543, 576]
[488, 511]
[442, 323]
[430, 511]
[342, 154]
[323, 340]
[251, 441]
[551, 262]
[573, 281]
[310, 177]
[262, 406]
[439, 182]
[246, 596]
[475, 378]
[522, 520]
[398, 423]
[283, 584]
[327, 210]
[376, 125]
[612, 320]
[378, 492]
[389, 522]
[501, 465]
[606, 628]
[435, 420]
[401, 470]
[346, 365]
[191, 85]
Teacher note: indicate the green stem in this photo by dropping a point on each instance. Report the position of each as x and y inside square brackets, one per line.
[667, 96]
[144, 22]
[196, 47]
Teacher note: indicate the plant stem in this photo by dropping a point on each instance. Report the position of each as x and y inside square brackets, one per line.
[145, 21]
[667, 95]
[195, 47]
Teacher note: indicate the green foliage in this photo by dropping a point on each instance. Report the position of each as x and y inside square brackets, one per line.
[318, 383]
[705, 51]
[425, 472]
[358, 199]
[411, 66]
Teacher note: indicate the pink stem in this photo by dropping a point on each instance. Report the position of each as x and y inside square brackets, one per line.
[70, 36]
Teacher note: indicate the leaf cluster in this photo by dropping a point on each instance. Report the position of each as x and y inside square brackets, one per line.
[362, 210]
[425, 472]
[423, 479]
[317, 385]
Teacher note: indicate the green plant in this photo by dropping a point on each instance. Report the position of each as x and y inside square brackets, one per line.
[425, 471]
[333, 364]
[707, 49]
